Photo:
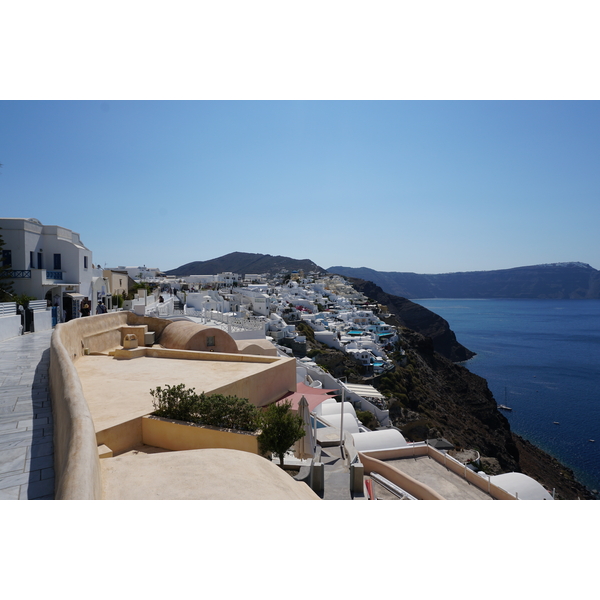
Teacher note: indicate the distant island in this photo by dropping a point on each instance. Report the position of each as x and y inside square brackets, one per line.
[571, 280]
[568, 280]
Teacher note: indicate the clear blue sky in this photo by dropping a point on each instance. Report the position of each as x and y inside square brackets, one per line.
[427, 187]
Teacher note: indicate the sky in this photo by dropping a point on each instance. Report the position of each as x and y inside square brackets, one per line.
[417, 186]
[396, 139]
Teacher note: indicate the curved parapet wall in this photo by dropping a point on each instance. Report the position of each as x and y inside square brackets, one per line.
[76, 463]
[185, 335]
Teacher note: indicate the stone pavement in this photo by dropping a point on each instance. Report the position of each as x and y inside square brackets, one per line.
[26, 427]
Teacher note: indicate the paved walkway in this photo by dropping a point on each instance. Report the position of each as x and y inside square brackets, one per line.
[26, 429]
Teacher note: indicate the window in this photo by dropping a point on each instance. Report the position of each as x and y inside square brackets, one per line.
[85, 262]
[210, 340]
[40, 261]
[57, 262]
[7, 258]
[32, 260]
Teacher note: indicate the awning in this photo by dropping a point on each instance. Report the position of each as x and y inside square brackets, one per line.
[294, 398]
[365, 391]
[75, 295]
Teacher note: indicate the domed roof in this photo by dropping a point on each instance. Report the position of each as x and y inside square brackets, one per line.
[521, 484]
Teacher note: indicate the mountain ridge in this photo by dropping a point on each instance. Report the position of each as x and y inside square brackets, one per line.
[570, 280]
[244, 263]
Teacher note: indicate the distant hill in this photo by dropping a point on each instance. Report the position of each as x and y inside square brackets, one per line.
[572, 280]
[244, 263]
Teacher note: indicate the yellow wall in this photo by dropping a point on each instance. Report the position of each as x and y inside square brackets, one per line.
[174, 435]
[76, 461]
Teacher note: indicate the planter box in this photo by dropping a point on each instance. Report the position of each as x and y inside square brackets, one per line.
[179, 435]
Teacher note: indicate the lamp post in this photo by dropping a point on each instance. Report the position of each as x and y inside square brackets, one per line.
[342, 423]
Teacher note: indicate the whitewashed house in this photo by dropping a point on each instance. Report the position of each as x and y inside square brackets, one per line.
[49, 263]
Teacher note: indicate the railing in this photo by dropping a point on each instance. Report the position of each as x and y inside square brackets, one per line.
[391, 487]
[54, 275]
[8, 308]
[17, 274]
[233, 323]
[38, 305]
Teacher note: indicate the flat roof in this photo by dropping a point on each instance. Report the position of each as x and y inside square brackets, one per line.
[117, 391]
[445, 482]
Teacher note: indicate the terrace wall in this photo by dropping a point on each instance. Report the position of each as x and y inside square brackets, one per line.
[76, 462]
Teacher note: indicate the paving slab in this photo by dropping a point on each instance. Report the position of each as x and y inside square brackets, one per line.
[26, 426]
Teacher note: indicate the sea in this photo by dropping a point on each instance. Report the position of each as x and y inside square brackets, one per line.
[542, 359]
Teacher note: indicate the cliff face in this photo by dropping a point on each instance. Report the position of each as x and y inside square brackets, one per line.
[554, 281]
[417, 318]
[432, 397]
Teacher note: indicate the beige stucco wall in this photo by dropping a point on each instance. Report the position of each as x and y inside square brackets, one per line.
[186, 335]
[76, 462]
[78, 470]
[175, 435]
[205, 474]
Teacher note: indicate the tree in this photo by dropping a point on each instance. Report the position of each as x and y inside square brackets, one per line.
[281, 429]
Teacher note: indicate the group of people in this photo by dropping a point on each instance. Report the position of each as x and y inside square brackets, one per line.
[86, 308]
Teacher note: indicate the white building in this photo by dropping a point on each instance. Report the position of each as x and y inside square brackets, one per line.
[50, 263]
[139, 272]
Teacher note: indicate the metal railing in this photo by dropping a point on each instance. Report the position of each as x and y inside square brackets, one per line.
[54, 275]
[233, 323]
[17, 274]
[38, 305]
[8, 308]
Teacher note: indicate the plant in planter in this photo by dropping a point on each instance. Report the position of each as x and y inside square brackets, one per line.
[175, 402]
[227, 412]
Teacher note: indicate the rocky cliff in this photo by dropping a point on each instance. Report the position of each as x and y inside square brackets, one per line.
[432, 396]
[418, 318]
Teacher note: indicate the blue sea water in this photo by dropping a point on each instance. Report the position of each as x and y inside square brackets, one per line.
[541, 358]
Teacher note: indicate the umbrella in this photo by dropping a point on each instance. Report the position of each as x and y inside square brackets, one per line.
[304, 447]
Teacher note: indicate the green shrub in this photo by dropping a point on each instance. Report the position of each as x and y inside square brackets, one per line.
[367, 418]
[175, 402]
[229, 412]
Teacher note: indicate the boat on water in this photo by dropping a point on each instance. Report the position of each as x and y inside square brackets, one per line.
[556, 423]
[504, 406]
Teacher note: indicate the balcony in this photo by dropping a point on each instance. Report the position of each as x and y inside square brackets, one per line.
[54, 275]
[17, 274]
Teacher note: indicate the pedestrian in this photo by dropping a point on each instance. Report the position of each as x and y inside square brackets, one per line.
[85, 308]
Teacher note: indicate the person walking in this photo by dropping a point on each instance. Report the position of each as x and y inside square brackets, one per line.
[85, 308]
